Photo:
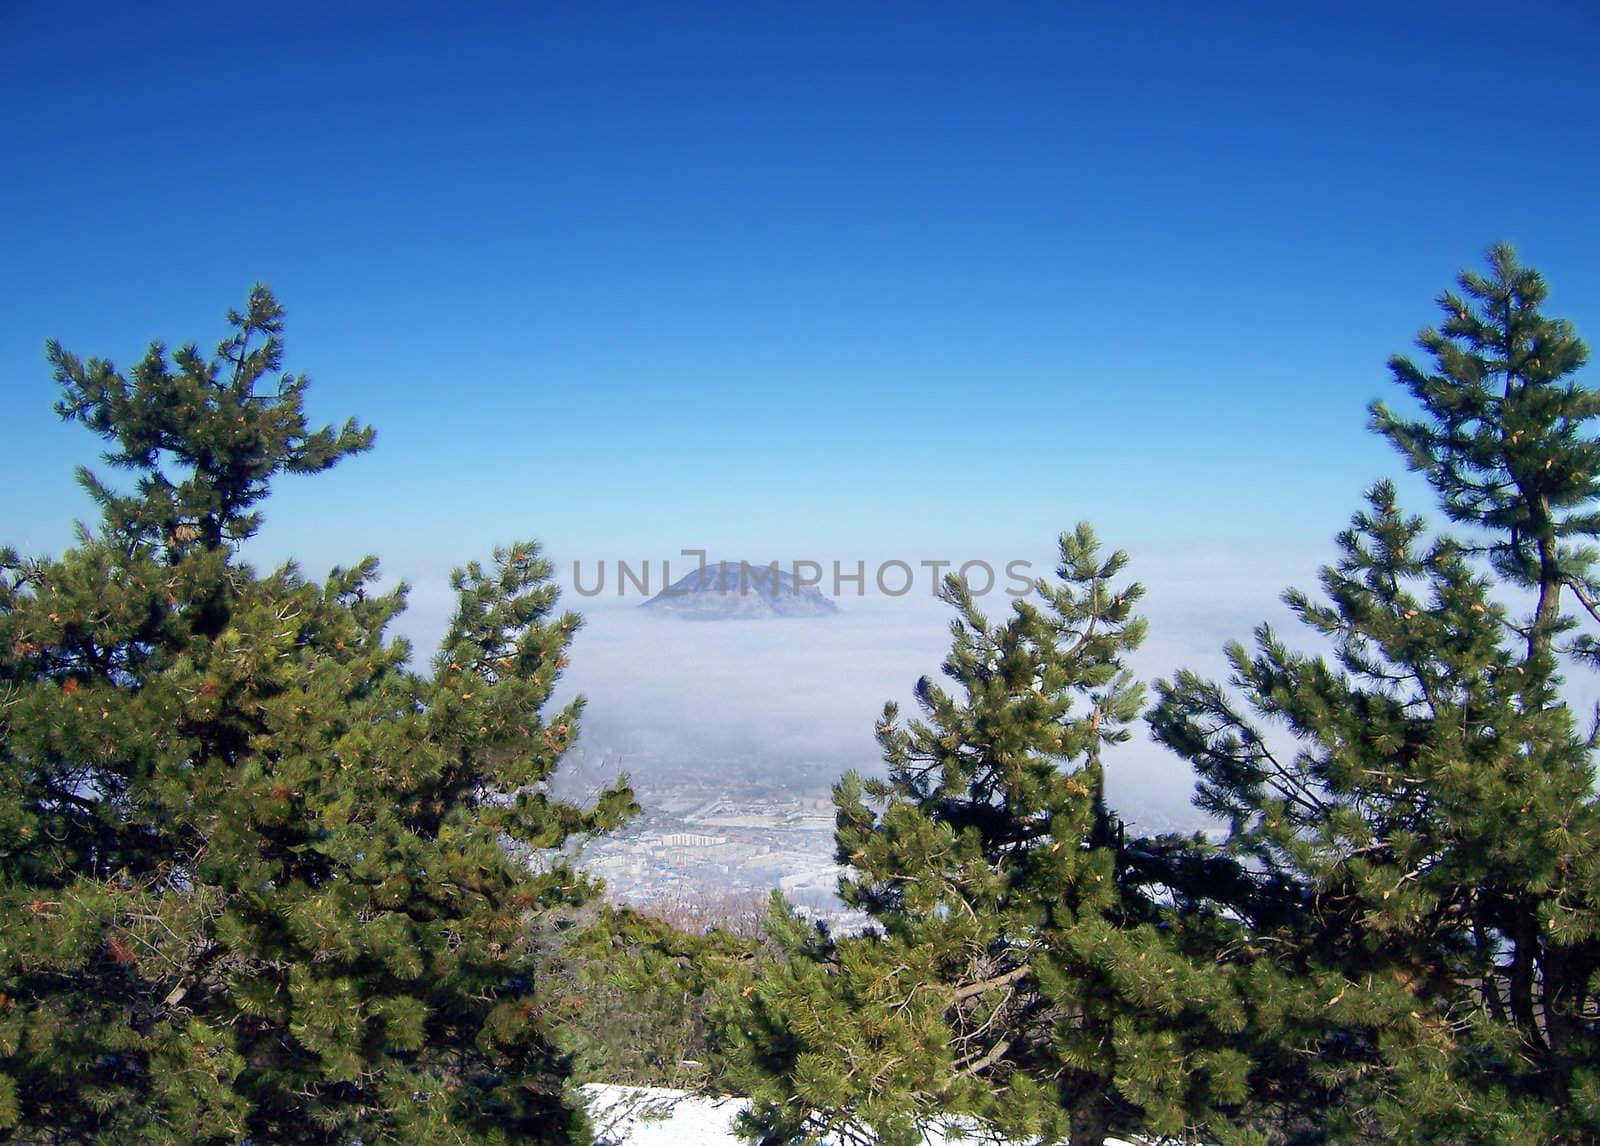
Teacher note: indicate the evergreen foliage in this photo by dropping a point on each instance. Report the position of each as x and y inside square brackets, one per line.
[1413, 835]
[637, 994]
[1015, 977]
[262, 881]
[1507, 438]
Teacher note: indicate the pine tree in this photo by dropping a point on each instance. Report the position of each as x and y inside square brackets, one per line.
[1507, 437]
[1413, 834]
[1013, 977]
[638, 992]
[264, 882]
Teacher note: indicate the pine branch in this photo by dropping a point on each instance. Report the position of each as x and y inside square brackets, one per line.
[1015, 975]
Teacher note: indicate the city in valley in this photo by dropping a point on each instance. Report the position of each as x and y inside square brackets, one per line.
[723, 840]
[718, 834]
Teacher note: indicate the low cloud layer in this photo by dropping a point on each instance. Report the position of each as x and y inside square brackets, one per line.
[761, 703]
[794, 701]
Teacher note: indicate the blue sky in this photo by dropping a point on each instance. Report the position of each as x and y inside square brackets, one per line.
[782, 280]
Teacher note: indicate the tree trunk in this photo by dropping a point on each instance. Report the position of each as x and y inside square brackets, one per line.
[1549, 608]
[1089, 1122]
[1524, 935]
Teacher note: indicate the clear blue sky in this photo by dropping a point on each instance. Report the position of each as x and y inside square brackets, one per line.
[786, 279]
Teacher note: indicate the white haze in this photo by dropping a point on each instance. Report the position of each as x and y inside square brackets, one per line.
[762, 703]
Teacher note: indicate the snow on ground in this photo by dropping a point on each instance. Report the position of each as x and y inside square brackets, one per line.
[651, 1116]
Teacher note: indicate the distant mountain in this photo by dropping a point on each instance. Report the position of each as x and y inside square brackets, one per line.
[739, 590]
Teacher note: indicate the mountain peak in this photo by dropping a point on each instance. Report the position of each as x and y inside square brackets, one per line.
[740, 590]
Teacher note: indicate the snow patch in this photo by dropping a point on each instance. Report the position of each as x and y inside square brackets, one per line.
[654, 1116]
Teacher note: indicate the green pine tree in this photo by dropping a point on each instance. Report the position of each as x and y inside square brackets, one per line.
[638, 993]
[1413, 835]
[1507, 438]
[264, 882]
[1015, 976]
